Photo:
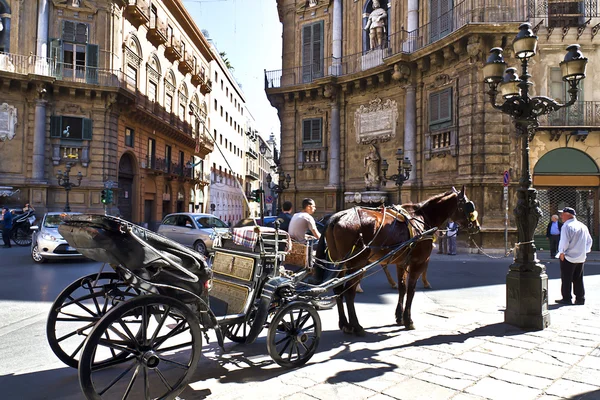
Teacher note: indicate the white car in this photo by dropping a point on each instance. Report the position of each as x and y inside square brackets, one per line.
[47, 242]
[192, 230]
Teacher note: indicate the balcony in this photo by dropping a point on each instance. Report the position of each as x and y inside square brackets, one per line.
[157, 33]
[198, 77]
[252, 175]
[173, 49]
[186, 64]
[206, 87]
[252, 153]
[154, 165]
[562, 13]
[312, 157]
[582, 114]
[403, 42]
[137, 12]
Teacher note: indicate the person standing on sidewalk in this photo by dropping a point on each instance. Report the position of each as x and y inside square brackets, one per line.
[442, 242]
[452, 232]
[7, 218]
[553, 234]
[575, 242]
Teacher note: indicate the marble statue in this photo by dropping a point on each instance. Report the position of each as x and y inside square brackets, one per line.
[76, 3]
[372, 169]
[376, 26]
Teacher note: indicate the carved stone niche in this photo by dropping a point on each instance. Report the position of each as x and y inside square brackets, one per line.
[8, 122]
[376, 121]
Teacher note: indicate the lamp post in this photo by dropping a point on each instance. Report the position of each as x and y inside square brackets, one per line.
[284, 183]
[527, 282]
[404, 168]
[64, 180]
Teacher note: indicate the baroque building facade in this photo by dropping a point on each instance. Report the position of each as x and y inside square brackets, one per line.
[408, 75]
[106, 87]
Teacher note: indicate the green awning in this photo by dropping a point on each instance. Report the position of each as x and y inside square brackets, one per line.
[566, 161]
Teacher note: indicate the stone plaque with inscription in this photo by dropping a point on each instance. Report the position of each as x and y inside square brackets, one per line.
[376, 121]
[8, 121]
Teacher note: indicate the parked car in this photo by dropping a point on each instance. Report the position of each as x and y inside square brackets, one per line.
[192, 229]
[47, 243]
[269, 221]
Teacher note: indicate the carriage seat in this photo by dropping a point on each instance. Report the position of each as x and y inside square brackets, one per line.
[247, 239]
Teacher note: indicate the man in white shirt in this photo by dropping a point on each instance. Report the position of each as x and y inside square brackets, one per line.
[303, 221]
[452, 232]
[575, 243]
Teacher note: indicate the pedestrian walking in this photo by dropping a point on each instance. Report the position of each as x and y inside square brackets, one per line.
[553, 234]
[7, 219]
[442, 242]
[575, 242]
[452, 233]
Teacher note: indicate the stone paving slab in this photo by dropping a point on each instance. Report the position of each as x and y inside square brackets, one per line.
[519, 378]
[570, 389]
[416, 389]
[495, 389]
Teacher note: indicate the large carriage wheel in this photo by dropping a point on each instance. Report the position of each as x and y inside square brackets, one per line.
[161, 358]
[294, 335]
[22, 235]
[78, 308]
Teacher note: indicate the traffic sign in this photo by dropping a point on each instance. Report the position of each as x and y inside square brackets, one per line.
[269, 199]
[505, 193]
[506, 178]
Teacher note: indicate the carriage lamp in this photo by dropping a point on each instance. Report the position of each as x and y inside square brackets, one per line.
[527, 282]
[64, 180]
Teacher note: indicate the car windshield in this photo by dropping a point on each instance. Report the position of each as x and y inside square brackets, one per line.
[210, 222]
[52, 221]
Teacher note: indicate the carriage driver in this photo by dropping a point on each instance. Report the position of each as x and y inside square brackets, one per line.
[303, 221]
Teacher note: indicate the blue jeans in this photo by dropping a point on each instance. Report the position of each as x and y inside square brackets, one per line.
[451, 244]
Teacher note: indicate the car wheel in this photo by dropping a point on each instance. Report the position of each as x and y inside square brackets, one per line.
[36, 255]
[200, 247]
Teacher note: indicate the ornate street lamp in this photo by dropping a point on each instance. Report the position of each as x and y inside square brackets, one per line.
[404, 168]
[284, 183]
[527, 282]
[64, 180]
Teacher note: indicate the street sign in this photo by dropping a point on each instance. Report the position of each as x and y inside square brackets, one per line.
[505, 193]
[269, 199]
[506, 178]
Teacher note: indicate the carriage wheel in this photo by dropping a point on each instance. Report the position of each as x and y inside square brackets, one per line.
[160, 359]
[294, 335]
[238, 332]
[22, 236]
[78, 308]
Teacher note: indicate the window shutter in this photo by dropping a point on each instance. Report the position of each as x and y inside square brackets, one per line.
[306, 53]
[317, 49]
[55, 126]
[55, 53]
[306, 130]
[434, 108]
[434, 16]
[81, 33]
[445, 105]
[91, 61]
[68, 32]
[87, 129]
[445, 26]
[316, 130]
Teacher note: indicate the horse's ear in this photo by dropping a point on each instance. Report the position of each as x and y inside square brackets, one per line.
[461, 194]
[454, 190]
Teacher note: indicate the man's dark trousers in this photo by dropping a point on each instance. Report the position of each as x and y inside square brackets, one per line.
[554, 239]
[571, 274]
[6, 236]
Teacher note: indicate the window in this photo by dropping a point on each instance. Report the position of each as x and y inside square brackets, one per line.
[221, 84]
[181, 161]
[168, 151]
[440, 18]
[226, 143]
[312, 130]
[440, 138]
[151, 153]
[131, 75]
[71, 128]
[152, 91]
[570, 116]
[72, 55]
[221, 139]
[440, 109]
[215, 104]
[129, 137]
[221, 111]
[169, 33]
[226, 116]
[565, 13]
[169, 103]
[226, 91]
[312, 51]
[215, 134]
[216, 77]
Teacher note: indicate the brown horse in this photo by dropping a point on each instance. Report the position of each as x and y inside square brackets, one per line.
[358, 236]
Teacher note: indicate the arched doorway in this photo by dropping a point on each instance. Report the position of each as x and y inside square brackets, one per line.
[126, 176]
[166, 204]
[567, 177]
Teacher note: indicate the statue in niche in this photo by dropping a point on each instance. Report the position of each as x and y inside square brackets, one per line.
[376, 26]
[372, 169]
[76, 3]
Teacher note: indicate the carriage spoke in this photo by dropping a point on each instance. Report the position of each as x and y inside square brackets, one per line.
[282, 339]
[291, 351]
[163, 379]
[120, 334]
[298, 319]
[303, 345]
[77, 303]
[175, 347]
[289, 341]
[300, 323]
[94, 298]
[112, 345]
[160, 324]
[112, 351]
[176, 331]
[75, 332]
[117, 379]
[74, 353]
[186, 367]
[131, 383]
[77, 318]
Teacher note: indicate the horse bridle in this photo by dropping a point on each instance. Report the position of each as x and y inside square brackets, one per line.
[467, 208]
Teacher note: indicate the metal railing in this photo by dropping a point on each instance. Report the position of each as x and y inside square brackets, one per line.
[580, 114]
[464, 13]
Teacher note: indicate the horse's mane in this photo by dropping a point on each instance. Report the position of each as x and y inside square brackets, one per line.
[425, 203]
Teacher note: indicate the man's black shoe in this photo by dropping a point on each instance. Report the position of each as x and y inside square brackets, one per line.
[563, 301]
[580, 302]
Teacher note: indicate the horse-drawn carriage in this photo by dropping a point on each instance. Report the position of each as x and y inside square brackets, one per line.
[146, 317]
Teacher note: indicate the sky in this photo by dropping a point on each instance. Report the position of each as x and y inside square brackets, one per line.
[249, 32]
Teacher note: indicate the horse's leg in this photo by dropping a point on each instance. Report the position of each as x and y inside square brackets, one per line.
[349, 295]
[339, 300]
[426, 283]
[411, 285]
[389, 277]
[401, 270]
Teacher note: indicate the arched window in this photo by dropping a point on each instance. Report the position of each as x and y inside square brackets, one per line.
[133, 59]
[169, 90]
[4, 26]
[183, 101]
[153, 72]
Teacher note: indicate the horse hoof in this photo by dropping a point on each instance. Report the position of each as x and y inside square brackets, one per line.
[394, 286]
[360, 332]
[399, 321]
[427, 287]
[348, 330]
[409, 327]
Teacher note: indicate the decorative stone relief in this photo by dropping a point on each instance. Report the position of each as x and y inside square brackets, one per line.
[8, 122]
[312, 5]
[81, 6]
[376, 121]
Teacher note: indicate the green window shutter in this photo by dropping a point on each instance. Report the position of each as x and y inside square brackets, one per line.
[434, 108]
[68, 31]
[316, 129]
[446, 105]
[55, 126]
[87, 129]
[81, 33]
[306, 53]
[317, 49]
[434, 20]
[446, 19]
[55, 53]
[306, 130]
[91, 60]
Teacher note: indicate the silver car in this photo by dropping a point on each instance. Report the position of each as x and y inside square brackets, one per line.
[192, 229]
[47, 242]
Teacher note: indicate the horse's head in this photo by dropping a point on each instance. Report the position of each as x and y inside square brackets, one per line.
[465, 214]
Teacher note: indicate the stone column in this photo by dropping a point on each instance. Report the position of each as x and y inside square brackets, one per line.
[334, 145]
[42, 30]
[410, 128]
[412, 23]
[39, 141]
[336, 66]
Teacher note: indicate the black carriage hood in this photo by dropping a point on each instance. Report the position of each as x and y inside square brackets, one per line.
[107, 239]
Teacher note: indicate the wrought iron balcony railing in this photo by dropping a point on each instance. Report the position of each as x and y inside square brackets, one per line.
[582, 114]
